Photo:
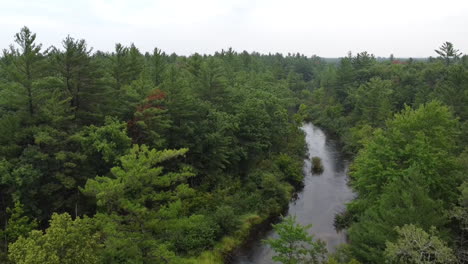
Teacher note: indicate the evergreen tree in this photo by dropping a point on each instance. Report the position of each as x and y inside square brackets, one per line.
[448, 53]
[24, 67]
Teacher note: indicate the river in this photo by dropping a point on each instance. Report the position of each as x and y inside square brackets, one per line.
[322, 197]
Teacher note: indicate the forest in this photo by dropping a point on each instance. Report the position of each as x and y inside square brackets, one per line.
[131, 157]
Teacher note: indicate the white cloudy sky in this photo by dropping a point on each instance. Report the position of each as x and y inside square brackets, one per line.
[328, 28]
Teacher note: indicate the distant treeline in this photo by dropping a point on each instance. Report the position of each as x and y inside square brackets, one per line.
[125, 157]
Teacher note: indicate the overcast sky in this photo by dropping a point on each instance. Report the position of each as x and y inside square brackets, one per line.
[327, 28]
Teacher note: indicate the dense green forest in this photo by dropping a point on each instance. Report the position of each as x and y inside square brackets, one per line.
[125, 157]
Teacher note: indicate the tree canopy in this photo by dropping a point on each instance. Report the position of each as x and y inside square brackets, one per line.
[148, 157]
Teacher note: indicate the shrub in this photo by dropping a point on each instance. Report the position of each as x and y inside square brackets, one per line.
[317, 166]
[227, 219]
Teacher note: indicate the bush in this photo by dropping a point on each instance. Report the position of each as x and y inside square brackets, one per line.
[193, 234]
[227, 219]
[275, 195]
[343, 220]
[291, 169]
[317, 166]
[294, 244]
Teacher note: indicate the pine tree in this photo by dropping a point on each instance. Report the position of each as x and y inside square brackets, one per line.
[24, 66]
[448, 53]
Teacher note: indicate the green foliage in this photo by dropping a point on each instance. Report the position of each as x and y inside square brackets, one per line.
[217, 147]
[317, 166]
[414, 246]
[294, 245]
[80, 78]
[138, 199]
[401, 176]
[403, 201]
[448, 53]
[357, 137]
[403, 121]
[18, 224]
[24, 67]
[230, 110]
[110, 141]
[422, 139]
[460, 214]
[342, 254]
[66, 241]
[373, 101]
[138, 184]
[192, 234]
[227, 219]
[291, 169]
[276, 195]
[151, 121]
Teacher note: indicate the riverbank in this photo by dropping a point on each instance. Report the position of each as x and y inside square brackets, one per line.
[317, 203]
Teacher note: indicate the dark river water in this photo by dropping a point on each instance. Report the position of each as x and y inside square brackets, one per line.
[323, 196]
